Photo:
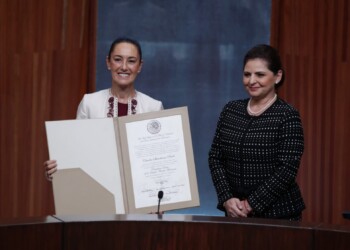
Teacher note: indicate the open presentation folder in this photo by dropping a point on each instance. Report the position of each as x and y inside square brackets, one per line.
[118, 165]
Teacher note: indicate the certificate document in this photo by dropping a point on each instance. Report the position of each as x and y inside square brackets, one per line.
[157, 156]
[158, 160]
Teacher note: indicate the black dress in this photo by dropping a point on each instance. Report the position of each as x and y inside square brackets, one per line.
[257, 158]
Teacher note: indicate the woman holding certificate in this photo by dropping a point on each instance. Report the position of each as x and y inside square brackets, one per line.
[124, 61]
[258, 144]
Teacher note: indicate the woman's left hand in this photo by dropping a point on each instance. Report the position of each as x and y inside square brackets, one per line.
[235, 208]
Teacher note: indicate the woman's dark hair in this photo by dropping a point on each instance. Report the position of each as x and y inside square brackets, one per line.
[270, 55]
[125, 40]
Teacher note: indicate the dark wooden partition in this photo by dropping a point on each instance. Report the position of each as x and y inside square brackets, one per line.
[47, 58]
[152, 231]
[313, 38]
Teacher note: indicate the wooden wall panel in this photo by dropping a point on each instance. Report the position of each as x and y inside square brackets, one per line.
[313, 38]
[47, 63]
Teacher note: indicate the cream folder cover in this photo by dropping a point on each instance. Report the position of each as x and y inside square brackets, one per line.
[89, 145]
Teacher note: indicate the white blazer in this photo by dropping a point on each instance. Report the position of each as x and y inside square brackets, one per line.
[95, 105]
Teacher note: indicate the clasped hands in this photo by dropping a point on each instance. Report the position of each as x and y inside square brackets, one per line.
[237, 208]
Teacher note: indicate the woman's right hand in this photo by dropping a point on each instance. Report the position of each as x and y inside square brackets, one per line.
[50, 168]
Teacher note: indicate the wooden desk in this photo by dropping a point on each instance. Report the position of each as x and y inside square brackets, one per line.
[183, 232]
[332, 237]
[31, 233]
[151, 231]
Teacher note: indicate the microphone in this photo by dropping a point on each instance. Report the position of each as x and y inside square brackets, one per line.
[160, 196]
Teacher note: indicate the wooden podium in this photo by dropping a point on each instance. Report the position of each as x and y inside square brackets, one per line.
[151, 231]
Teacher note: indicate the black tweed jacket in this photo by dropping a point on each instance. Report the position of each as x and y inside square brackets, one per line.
[257, 158]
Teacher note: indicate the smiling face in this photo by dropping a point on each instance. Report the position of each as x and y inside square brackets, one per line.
[258, 80]
[125, 63]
